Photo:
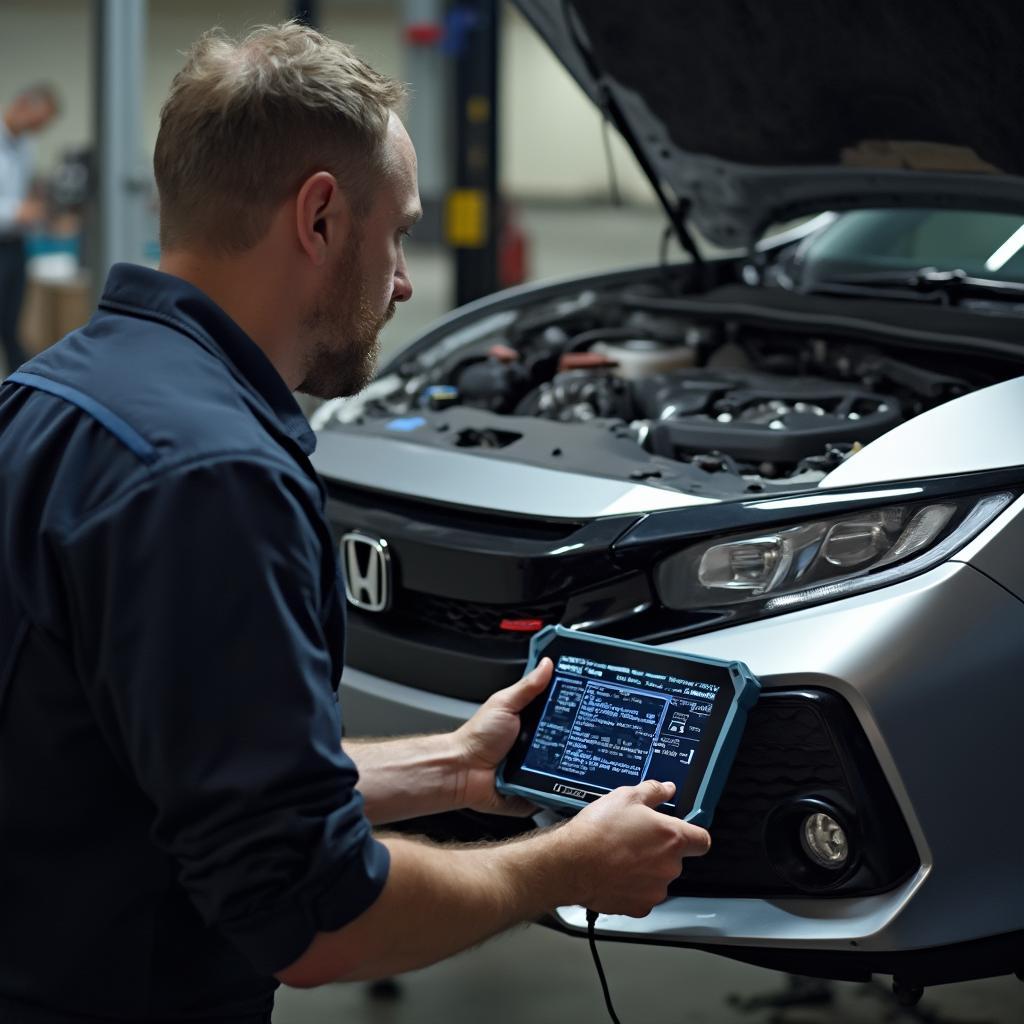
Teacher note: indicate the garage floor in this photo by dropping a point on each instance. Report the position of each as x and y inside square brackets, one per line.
[541, 976]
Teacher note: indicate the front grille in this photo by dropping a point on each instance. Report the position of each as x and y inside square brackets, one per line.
[470, 618]
[798, 745]
[457, 647]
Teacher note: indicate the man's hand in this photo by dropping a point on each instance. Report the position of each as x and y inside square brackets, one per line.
[624, 853]
[487, 737]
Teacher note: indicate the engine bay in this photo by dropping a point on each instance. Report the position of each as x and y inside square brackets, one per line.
[617, 383]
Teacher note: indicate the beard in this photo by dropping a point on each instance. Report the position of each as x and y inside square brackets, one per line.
[345, 332]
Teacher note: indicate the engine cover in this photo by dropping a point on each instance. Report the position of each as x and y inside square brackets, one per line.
[757, 417]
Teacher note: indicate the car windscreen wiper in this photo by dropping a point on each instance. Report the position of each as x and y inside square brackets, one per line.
[924, 284]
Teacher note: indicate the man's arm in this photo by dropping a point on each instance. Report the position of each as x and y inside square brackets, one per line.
[616, 856]
[417, 775]
[437, 901]
[406, 777]
[200, 639]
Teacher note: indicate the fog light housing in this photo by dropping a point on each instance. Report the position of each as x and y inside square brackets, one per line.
[813, 841]
[824, 841]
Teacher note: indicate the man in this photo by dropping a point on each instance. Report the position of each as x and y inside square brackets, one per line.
[30, 112]
[181, 827]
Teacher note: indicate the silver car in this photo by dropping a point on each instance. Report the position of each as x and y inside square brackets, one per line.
[808, 457]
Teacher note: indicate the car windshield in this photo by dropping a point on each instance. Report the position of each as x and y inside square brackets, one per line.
[983, 245]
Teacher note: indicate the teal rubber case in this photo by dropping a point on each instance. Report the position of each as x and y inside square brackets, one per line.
[746, 690]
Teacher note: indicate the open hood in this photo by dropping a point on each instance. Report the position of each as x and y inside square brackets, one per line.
[748, 112]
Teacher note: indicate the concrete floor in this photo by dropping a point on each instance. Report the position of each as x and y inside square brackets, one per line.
[537, 975]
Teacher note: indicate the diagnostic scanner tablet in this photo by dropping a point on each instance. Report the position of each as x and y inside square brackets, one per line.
[617, 713]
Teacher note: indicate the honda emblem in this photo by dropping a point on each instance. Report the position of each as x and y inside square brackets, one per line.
[367, 572]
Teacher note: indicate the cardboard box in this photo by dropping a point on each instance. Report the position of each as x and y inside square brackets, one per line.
[53, 308]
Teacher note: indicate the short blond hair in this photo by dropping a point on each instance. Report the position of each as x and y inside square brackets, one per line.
[247, 120]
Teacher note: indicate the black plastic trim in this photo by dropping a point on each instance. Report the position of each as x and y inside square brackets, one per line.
[412, 652]
[472, 671]
[358, 500]
[886, 855]
[477, 557]
[658, 529]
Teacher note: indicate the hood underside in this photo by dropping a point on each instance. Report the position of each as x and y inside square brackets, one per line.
[746, 112]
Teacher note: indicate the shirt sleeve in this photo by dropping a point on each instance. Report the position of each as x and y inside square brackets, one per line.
[200, 641]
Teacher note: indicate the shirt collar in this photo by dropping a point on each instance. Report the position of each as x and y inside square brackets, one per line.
[155, 295]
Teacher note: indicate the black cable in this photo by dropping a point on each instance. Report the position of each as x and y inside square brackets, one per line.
[592, 939]
[613, 177]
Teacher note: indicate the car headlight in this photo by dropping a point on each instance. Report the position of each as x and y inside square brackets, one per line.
[823, 559]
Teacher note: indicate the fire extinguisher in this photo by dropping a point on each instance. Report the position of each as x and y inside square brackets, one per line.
[513, 249]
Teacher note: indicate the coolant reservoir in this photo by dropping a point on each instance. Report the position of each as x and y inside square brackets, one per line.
[637, 358]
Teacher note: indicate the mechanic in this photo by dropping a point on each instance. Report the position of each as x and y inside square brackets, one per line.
[181, 827]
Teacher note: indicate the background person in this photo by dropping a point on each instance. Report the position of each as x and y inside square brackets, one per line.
[30, 112]
[181, 825]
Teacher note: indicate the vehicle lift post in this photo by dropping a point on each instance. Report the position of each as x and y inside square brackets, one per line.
[472, 209]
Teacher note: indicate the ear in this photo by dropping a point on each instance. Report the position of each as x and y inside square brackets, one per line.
[322, 216]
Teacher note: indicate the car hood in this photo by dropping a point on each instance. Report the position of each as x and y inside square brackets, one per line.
[744, 113]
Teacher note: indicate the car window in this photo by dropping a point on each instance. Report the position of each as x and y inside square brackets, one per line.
[982, 244]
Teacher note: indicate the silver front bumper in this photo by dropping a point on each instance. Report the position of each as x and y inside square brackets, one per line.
[931, 668]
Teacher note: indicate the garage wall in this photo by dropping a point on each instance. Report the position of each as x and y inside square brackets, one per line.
[173, 24]
[551, 144]
[50, 42]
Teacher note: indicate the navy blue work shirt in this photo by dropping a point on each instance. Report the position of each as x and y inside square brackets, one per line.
[177, 817]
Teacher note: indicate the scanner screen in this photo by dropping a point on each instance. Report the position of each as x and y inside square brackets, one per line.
[606, 725]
